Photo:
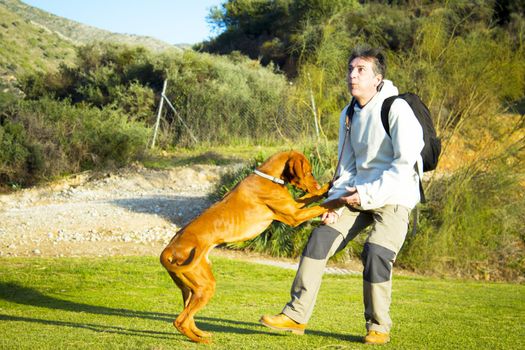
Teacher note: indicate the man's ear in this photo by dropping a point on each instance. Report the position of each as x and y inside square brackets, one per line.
[380, 82]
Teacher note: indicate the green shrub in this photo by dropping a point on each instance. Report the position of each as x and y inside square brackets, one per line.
[47, 138]
[14, 153]
[113, 140]
[102, 74]
[217, 100]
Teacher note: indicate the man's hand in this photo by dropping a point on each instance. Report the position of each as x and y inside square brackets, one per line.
[329, 217]
[352, 198]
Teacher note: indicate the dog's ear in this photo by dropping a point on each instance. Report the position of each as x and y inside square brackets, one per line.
[299, 166]
[295, 167]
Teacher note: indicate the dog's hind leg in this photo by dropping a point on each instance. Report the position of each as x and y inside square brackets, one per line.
[186, 295]
[194, 333]
[186, 291]
[202, 284]
[185, 325]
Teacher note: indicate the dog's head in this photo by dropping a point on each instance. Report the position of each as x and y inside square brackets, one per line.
[298, 172]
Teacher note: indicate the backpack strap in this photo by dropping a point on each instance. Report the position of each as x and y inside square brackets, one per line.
[385, 109]
[350, 113]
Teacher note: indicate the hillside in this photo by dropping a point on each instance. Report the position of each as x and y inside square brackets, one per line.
[26, 47]
[80, 33]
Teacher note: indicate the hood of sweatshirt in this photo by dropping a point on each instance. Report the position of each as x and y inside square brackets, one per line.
[388, 89]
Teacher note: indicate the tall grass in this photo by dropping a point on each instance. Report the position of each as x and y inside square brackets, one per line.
[475, 229]
[226, 100]
[474, 224]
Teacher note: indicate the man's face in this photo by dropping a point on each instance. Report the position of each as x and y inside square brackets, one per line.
[361, 79]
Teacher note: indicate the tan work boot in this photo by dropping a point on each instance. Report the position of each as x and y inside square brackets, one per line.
[377, 338]
[282, 322]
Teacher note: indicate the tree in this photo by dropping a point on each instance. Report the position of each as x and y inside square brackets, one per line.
[268, 30]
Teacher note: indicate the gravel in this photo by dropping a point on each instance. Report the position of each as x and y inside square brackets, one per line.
[134, 211]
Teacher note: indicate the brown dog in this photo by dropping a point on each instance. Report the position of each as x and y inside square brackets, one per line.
[242, 214]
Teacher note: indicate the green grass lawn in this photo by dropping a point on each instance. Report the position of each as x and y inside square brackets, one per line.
[129, 303]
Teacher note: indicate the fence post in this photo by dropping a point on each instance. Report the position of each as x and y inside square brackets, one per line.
[159, 113]
[314, 109]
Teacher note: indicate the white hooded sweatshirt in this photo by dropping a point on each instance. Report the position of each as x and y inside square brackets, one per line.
[380, 167]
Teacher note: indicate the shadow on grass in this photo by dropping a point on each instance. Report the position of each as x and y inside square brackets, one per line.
[90, 326]
[18, 294]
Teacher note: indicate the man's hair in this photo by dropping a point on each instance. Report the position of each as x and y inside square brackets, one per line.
[375, 54]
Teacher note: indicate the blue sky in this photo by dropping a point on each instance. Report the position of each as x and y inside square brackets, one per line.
[173, 21]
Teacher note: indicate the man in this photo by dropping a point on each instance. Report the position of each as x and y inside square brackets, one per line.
[378, 185]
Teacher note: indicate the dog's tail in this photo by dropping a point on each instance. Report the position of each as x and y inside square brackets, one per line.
[178, 262]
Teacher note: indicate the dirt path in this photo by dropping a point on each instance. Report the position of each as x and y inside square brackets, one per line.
[134, 211]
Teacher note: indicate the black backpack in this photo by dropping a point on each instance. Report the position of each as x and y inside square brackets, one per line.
[432, 148]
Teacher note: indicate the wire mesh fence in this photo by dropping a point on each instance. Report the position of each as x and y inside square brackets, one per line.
[260, 119]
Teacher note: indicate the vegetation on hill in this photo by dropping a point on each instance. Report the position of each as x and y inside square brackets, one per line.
[286, 31]
[216, 101]
[26, 48]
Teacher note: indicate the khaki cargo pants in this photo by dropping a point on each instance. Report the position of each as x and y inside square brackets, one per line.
[390, 224]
